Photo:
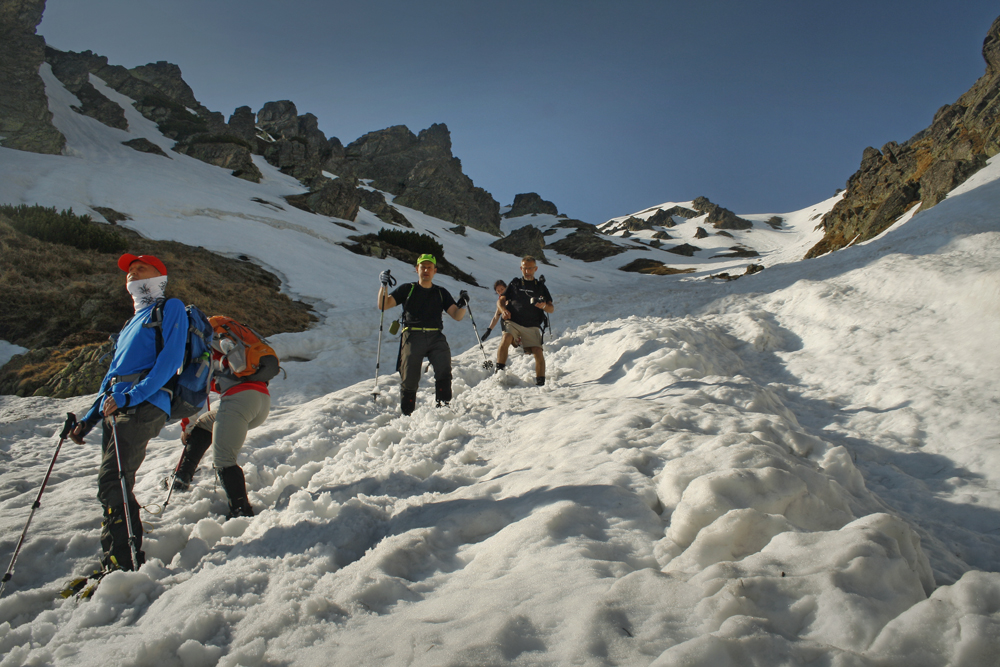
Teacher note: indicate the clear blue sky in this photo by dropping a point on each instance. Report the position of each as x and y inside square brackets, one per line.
[604, 108]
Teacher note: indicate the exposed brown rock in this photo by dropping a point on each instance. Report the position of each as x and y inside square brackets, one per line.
[923, 170]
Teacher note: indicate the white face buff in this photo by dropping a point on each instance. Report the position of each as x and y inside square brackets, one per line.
[146, 292]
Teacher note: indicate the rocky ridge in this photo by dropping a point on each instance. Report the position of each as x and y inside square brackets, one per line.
[925, 168]
[419, 170]
[25, 119]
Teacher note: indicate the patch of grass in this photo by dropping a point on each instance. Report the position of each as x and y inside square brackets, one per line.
[61, 302]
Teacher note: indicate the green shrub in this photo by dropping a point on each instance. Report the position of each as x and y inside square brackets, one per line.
[414, 242]
[220, 139]
[66, 228]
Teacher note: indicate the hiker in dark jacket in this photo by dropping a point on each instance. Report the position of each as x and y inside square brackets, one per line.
[244, 403]
[423, 302]
[133, 404]
[524, 306]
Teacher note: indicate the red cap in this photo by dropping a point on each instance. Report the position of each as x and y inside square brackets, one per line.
[126, 260]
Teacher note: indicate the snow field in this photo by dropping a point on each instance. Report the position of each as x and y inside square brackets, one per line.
[795, 468]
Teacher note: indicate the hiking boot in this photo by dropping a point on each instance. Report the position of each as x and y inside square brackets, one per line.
[540, 381]
[500, 367]
[235, 486]
[198, 442]
[112, 562]
[442, 391]
[408, 402]
[114, 538]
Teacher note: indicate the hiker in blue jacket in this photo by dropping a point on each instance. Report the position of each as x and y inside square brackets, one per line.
[133, 403]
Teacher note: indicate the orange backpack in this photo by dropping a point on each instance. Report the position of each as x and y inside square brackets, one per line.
[246, 347]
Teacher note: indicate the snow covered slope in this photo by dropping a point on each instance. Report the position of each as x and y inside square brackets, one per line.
[796, 467]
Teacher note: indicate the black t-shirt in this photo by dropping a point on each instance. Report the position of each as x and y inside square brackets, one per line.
[522, 311]
[422, 307]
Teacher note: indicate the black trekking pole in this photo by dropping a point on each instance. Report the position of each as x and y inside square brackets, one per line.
[67, 427]
[487, 363]
[381, 320]
[121, 476]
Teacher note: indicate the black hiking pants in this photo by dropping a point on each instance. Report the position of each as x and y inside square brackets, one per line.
[432, 345]
[135, 428]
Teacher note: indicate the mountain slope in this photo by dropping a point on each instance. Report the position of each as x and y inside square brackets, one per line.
[794, 467]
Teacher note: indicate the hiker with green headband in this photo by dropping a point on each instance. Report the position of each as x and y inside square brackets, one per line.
[423, 302]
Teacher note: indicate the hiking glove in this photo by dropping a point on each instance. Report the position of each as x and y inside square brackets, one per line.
[487, 334]
[384, 278]
[463, 299]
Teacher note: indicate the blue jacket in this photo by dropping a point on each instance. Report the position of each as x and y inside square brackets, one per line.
[135, 352]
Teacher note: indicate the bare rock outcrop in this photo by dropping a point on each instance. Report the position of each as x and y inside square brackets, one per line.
[925, 168]
[530, 203]
[523, 241]
[718, 217]
[25, 119]
[337, 198]
[422, 174]
[226, 152]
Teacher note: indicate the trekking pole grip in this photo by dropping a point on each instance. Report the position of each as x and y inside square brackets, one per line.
[68, 426]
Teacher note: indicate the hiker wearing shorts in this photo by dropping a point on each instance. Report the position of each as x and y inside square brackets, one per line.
[523, 307]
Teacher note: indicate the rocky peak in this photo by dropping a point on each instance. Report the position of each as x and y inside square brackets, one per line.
[279, 119]
[166, 78]
[718, 217]
[891, 181]
[25, 119]
[530, 203]
[421, 171]
[243, 124]
[436, 139]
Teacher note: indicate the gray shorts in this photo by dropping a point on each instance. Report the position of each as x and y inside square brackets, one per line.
[526, 337]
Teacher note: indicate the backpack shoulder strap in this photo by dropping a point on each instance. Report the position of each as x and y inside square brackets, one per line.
[156, 322]
[402, 317]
